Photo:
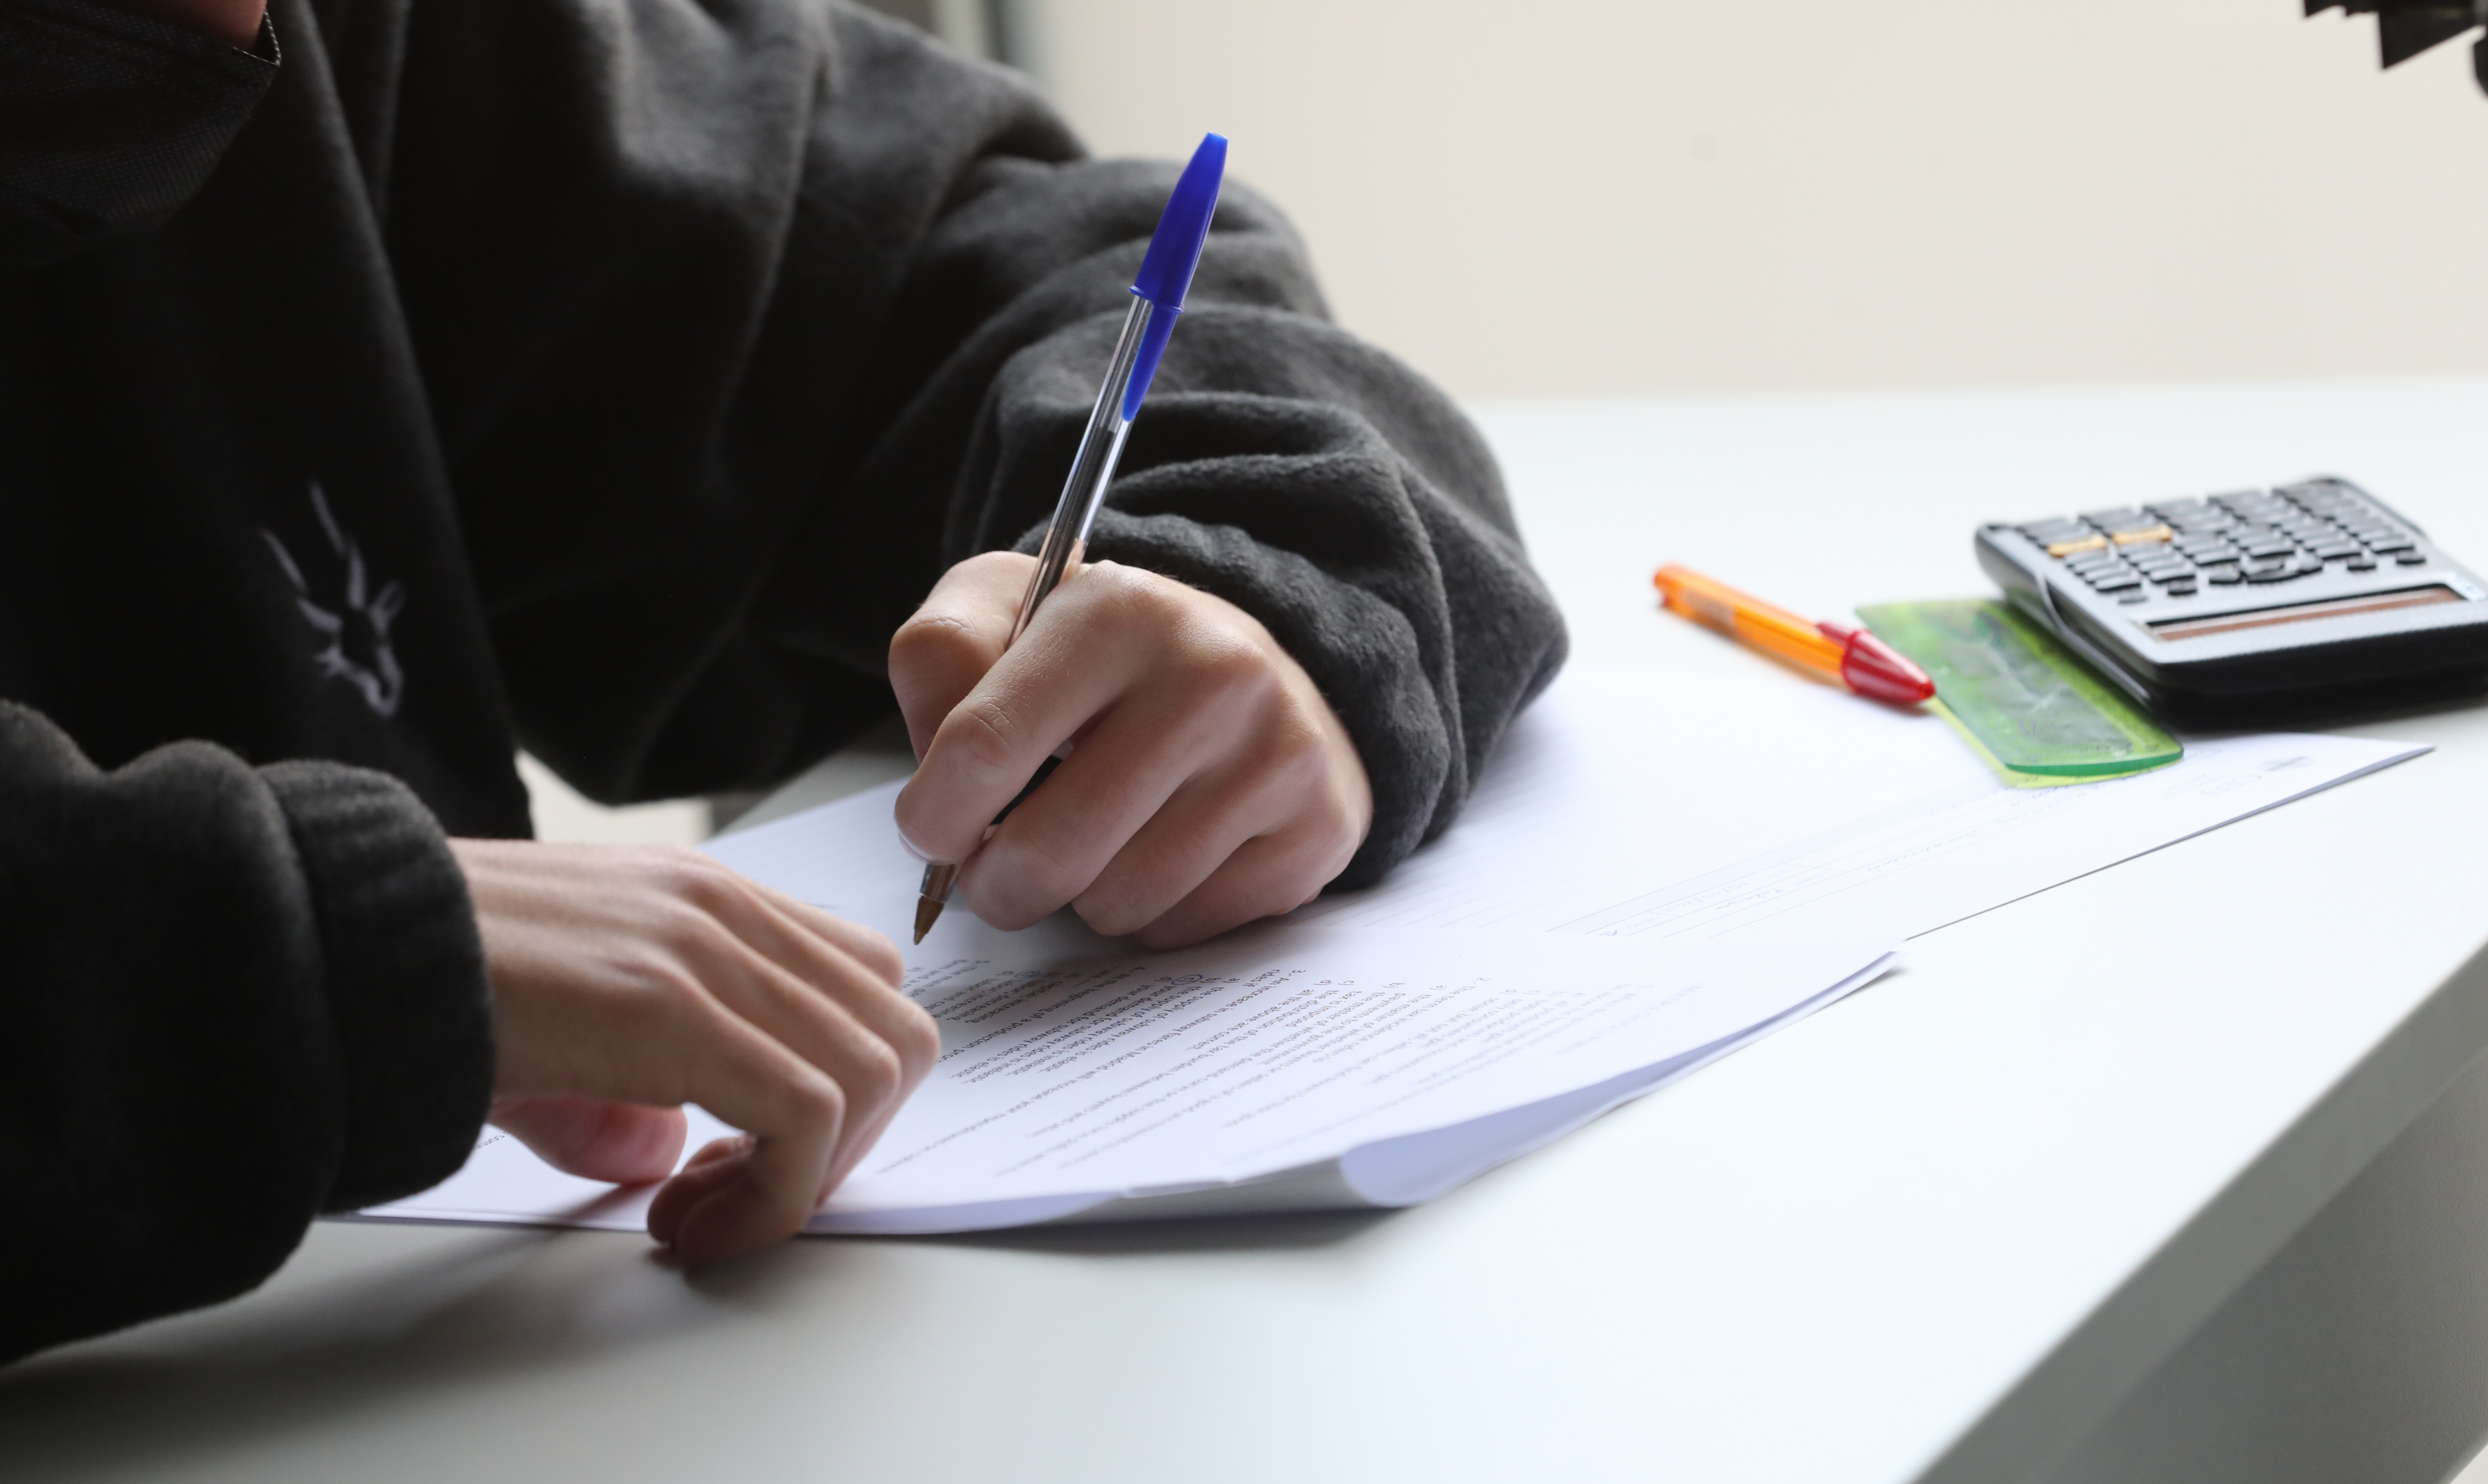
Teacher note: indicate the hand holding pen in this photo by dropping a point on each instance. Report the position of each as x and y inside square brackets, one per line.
[1204, 781]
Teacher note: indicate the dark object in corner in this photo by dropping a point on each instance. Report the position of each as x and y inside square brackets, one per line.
[2405, 28]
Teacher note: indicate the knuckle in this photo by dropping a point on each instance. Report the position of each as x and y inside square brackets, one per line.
[699, 879]
[931, 640]
[1326, 850]
[692, 931]
[982, 735]
[1301, 750]
[997, 563]
[880, 957]
[1114, 583]
[1131, 598]
[1347, 837]
[878, 1075]
[1046, 875]
[1335, 851]
[817, 1101]
[917, 1039]
[1234, 667]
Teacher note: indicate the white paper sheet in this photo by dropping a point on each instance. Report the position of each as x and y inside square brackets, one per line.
[1637, 805]
[1653, 871]
[1070, 1077]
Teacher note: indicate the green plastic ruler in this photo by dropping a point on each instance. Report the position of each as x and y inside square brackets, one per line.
[2033, 708]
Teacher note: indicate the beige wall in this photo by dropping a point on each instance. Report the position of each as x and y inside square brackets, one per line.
[1610, 196]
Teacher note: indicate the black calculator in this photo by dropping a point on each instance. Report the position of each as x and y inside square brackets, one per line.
[2310, 599]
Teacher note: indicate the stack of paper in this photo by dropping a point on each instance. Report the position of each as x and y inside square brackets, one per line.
[1653, 872]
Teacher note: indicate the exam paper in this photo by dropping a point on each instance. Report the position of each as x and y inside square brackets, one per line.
[1375, 1061]
[1651, 872]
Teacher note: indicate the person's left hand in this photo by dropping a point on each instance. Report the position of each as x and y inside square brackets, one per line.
[1208, 782]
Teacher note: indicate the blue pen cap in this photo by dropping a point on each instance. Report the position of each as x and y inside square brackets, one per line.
[1175, 253]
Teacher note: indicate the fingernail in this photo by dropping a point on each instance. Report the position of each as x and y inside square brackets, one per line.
[917, 851]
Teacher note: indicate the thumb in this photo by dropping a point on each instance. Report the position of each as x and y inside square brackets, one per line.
[623, 1142]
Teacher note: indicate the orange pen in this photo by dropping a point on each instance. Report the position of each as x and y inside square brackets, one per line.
[1850, 655]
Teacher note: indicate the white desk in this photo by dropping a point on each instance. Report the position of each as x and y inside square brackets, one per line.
[2079, 1195]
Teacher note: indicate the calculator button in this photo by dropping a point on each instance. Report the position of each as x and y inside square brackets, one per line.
[2265, 550]
[2170, 574]
[2145, 536]
[2385, 545]
[2360, 564]
[2185, 589]
[2116, 582]
[2272, 571]
[2225, 575]
[2333, 551]
[2412, 558]
[2071, 546]
[2134, 598]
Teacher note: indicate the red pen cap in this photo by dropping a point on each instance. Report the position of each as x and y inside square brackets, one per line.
[1873, 668]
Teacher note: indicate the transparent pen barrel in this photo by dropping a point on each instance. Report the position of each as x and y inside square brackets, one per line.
[1091, 470]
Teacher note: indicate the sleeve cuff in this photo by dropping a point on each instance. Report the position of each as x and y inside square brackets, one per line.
[406, 978]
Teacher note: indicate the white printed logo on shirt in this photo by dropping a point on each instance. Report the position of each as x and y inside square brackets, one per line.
[357, 650]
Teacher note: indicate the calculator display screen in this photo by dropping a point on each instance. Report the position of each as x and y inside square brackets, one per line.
[2261, 618]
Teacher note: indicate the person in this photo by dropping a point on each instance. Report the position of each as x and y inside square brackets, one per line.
[389, 384]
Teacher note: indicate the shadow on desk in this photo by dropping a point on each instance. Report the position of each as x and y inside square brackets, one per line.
[372, 1320]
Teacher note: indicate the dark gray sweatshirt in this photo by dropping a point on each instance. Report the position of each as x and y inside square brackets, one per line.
[606, 377]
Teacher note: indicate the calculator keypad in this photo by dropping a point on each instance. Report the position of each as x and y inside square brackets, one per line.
[2176, 548]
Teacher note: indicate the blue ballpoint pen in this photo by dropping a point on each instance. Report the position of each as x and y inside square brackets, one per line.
[1157, 297]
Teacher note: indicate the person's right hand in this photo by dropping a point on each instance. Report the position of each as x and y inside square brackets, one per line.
[628, 980]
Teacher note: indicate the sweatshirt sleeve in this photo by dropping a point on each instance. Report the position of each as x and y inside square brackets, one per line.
[109, 122]
[744, 321]
[232, 999]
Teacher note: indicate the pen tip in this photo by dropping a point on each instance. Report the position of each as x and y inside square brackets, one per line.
[927, 912]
